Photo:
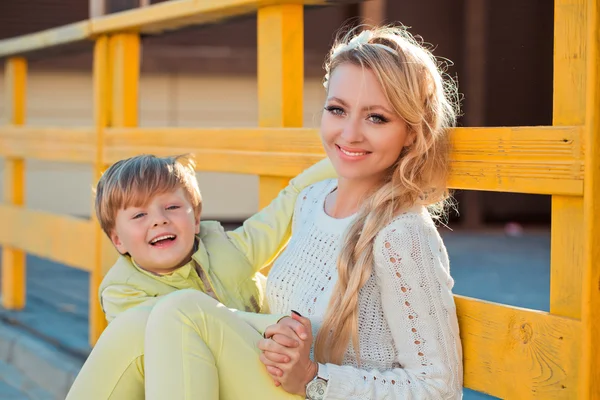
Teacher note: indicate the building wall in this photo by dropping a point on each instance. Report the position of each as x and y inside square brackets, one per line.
[65, 99]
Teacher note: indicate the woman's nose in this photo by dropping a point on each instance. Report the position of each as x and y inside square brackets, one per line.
[351, 132]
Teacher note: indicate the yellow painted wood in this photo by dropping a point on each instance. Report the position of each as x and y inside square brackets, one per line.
[125, 76]
[71, 33]
[568, 109]
[49, 144]
[13, 257]
[160, 17]
[544, 160]
[590, 361]
[280, 79]
[102, 94]
[513, 353]
[566, 256]
[280, 66]
[176, 14]
[48, 235]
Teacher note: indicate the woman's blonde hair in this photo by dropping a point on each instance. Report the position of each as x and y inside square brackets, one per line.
[416, 88]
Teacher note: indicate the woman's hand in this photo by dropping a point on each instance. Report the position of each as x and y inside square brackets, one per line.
[286, 353]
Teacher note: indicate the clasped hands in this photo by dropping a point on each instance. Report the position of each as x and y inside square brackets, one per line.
[285, 352]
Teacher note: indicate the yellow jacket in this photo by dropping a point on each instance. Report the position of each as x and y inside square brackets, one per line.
[231, 261]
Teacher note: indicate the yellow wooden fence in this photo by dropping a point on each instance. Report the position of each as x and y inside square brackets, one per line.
[509, 352]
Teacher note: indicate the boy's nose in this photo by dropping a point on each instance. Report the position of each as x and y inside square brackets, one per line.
[161, 220]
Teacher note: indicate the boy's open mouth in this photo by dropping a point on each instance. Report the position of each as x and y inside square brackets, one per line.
[162, 239]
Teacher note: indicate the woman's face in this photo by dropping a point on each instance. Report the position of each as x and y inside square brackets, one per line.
[361, 133]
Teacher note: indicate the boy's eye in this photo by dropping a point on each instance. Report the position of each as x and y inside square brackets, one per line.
[173, 207]
[138, 215]
[335, 110]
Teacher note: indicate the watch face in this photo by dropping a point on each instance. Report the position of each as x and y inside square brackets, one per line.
[315, 390]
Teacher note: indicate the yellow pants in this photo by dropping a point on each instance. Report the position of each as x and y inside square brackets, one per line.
[187, 346]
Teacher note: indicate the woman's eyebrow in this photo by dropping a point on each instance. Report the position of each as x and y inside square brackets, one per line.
[366, 108]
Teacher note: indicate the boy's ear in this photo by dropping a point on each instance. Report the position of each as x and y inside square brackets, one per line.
[116, 241]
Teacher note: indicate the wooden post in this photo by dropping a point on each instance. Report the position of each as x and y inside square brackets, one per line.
[97, 8]
[116, 83]
[280, 77]
[475, 44]
[590, 349]
[13, 260]
[373, 12]
[567, 235]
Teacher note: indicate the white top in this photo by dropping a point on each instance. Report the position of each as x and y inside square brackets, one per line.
[408, 330]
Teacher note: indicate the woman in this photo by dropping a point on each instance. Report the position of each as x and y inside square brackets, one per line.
[365, 265]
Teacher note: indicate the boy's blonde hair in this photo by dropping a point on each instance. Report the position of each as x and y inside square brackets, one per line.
[136, 180]
[427, 100]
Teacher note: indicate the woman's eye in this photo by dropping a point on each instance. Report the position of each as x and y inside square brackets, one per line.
[335, 110]
[378, 119]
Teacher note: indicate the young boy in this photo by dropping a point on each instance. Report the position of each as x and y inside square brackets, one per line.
[150, 209]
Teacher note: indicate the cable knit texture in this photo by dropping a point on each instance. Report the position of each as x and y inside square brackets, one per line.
[408, 330]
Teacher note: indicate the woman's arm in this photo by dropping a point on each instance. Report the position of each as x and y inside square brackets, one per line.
[264, 235]
[412, 273]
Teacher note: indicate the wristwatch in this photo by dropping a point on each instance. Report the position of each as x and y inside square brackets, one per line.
[315, 389]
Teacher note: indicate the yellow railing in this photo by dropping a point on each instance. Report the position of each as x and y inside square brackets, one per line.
[508, 352]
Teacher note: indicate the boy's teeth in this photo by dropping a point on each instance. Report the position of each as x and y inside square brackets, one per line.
[350, 153]
[162, 238]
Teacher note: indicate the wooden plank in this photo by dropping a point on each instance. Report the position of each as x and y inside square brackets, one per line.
[176, 14]
[280, 79]
[67, 34]
[566, 252]
[60, 238]
[590, 361]
[49, 144]
[514, 353]
[156, 18]
[544, 160]
[13, 258]
[537, 160]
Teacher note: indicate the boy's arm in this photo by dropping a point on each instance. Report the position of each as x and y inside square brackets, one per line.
[263, 235]
[116, 299]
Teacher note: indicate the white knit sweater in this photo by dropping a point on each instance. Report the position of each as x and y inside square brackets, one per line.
[408, 330]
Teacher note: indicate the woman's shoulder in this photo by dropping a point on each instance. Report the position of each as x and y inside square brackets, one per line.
[415, 223]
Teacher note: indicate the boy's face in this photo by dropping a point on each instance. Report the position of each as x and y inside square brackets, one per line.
[160, 235]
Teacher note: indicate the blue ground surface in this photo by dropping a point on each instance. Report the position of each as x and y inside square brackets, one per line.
[485, 265]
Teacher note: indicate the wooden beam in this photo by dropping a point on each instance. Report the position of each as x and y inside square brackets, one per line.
[156, 18]
[590, 361]
[514, 353]
[67, 34]
[66, 240]
[48, 144]
[566, 250]
[13, 257]
[542, 160]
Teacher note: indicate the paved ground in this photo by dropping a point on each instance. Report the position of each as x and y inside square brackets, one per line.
[486, 265]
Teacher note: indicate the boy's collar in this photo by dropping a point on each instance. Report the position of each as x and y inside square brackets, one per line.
[201, 254]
